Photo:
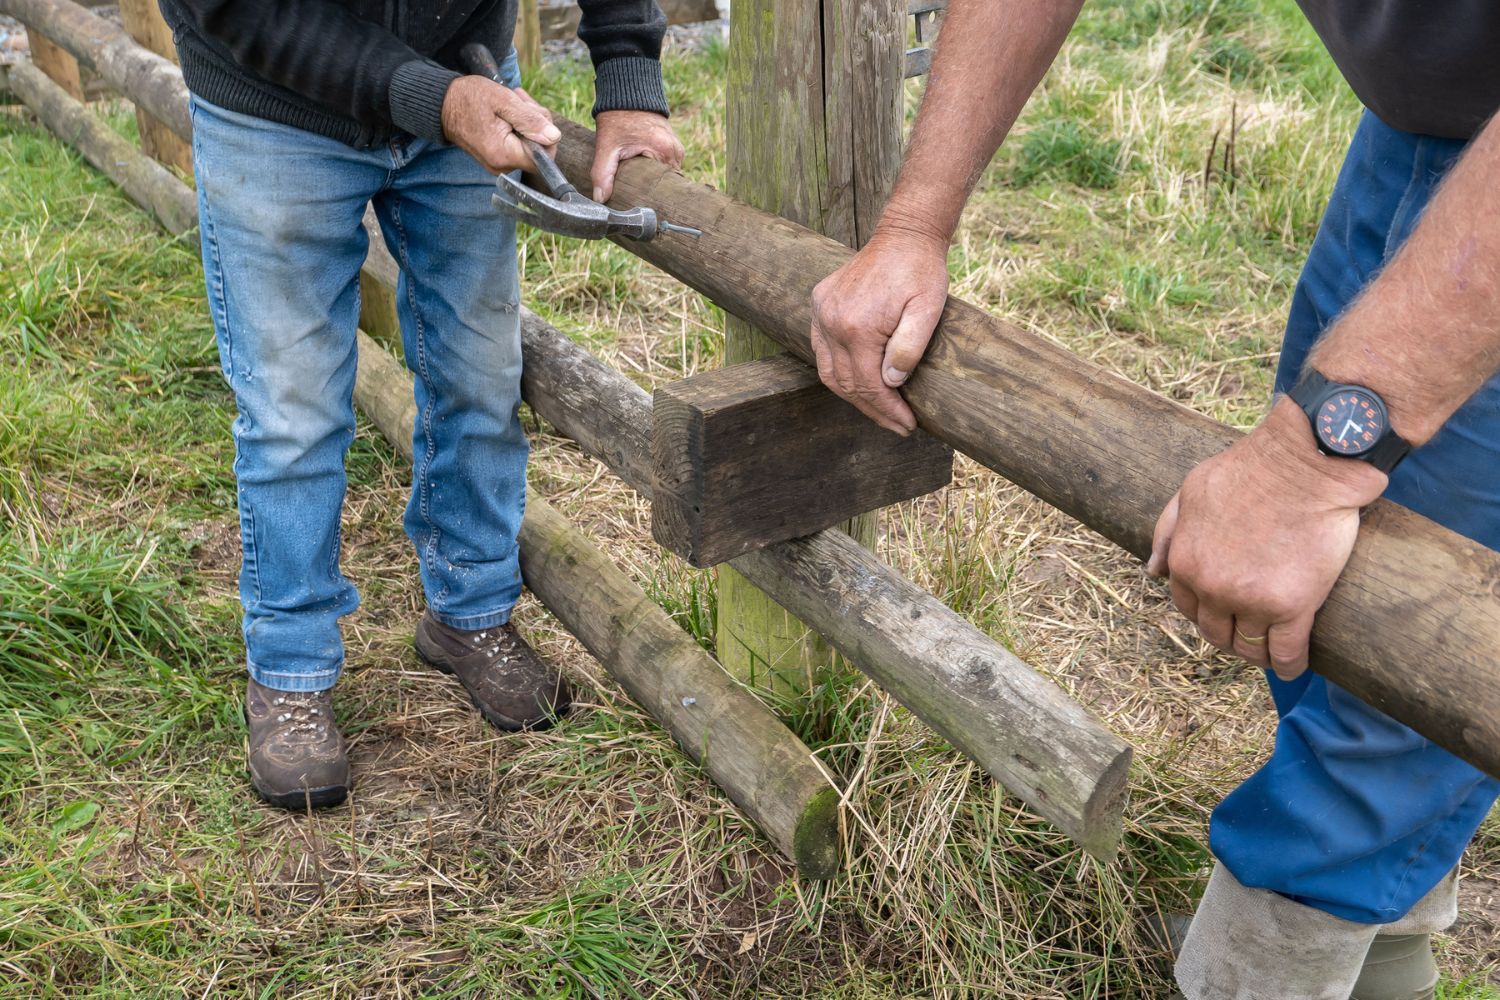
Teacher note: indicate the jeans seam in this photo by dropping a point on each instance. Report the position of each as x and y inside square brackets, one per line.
[471, 622]
[334, 671]
[221, 302]
[419, 338]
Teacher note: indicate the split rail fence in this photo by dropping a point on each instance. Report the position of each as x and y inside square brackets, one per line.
[1413, 625]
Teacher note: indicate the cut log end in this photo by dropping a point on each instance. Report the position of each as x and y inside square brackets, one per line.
[816, 843]
[1104, 811]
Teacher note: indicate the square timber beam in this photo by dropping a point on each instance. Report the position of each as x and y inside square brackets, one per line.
[760, 452]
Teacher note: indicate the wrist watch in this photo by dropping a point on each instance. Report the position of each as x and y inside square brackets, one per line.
[1349, 421]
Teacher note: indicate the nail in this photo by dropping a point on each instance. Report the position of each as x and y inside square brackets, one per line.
[895, 376]
[598, 194]
[551, 133]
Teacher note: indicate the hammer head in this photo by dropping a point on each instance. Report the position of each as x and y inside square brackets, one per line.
[572, 214]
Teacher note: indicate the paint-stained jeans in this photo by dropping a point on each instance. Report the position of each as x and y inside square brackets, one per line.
[1355, 814]
[280, 213]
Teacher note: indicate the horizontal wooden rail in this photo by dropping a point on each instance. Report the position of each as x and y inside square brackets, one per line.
[1015, 723]
[1413, 625]
[745, 749]
[144, 180]
[149, 80]
[748, 752]
[1019, 726]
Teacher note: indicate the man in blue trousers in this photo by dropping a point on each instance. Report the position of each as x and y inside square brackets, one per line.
[304, 112]
[1336, 860]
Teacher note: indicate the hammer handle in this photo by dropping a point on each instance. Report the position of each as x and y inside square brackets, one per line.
[479, 60]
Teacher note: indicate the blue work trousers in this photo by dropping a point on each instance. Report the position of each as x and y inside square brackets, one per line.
[1355, 814]
[280, 218]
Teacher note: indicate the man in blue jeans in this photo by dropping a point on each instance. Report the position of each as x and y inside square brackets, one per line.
[1335, 860]
[304, 112]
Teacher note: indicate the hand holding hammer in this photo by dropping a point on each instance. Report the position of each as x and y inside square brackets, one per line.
[503, 128]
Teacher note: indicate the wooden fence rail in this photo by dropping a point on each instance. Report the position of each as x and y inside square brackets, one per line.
[748, 752]
[1413, 625]
[1019, 726]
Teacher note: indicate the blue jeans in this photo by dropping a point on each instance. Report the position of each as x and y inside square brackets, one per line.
[1355, 814]
[280, 213]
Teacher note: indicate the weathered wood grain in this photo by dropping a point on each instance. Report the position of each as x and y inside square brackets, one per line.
[528, 37]
[761, 452]
[813, 118]
[1413, 625]
[144, 180]
[143, 20]
[60, 67]
[1019, 726]
[763, 767]
[149, 80]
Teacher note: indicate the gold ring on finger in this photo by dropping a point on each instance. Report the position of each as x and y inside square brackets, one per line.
[1254, 640]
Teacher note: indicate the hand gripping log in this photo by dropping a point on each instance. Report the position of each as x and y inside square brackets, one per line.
[1413, 625]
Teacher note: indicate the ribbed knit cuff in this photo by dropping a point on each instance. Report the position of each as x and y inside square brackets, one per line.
[629, 83]
[417, 91]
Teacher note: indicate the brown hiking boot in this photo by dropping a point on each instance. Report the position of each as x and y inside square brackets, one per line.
[512, 687]
[297, 756]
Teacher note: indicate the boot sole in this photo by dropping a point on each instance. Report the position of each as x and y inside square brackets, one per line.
[317, 798]
[439, 663]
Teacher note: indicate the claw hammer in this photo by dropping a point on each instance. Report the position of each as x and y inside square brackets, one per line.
[562, 209]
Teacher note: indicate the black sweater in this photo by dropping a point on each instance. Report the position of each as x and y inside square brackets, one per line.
[362, 71]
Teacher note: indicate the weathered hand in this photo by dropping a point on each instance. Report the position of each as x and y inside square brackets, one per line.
[483, 118]
[872, 320]
[623, 134]
[1256, 537]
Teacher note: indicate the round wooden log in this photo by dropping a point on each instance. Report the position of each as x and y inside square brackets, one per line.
[746, 750]
[134, 71]
[1045, 747]
[147, 182]
[1019, 726]
[1412, 626]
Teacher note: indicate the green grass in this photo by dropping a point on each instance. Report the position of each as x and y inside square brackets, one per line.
[595, 860]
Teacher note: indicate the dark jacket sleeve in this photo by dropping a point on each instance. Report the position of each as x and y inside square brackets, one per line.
[327, 54]
[624, 40]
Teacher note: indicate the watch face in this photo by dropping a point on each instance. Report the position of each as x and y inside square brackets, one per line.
[1350, 422]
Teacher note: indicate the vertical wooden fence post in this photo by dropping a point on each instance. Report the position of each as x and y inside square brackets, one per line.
[814, 131]
[61, 67]
[142, 19]
[528, 35]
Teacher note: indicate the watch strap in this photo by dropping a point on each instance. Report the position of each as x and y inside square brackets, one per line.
[1388, 451]
[1308, 393]
[1308, 390]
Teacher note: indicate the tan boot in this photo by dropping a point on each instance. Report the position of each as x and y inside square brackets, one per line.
[511, 685]
[1398, 967]
[297, 756]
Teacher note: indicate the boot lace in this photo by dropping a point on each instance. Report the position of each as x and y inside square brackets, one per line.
[301, 717]
[501, 641]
